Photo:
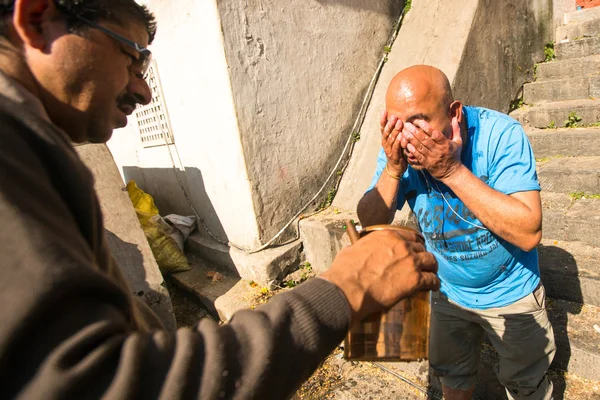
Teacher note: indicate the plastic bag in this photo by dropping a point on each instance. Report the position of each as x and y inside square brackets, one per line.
[168, 255]
[183, 227]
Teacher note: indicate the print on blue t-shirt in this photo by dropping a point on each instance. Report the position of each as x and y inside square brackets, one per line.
[477, 268]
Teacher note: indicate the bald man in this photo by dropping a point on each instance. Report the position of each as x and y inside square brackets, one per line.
[468, 174]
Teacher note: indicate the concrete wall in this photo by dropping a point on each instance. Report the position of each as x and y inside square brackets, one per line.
[125, 237]
[506, 39]
[487, 48]
[194, 74]
[261, 98]
[298, 71]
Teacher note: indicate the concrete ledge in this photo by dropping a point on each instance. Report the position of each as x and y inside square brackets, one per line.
[571, 220]
[577, 48]
[269, 266]
[578, 29]
[570, 68]
[570, 174]
[124, 235]
[210, 250]
[324, 235]
[562, 89]
[237, 298]
[199, 281]
[588, 14]
[266, 267]
[543, 115]
[568, 142]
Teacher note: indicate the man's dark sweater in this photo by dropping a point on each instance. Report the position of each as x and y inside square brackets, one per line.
[70, 327]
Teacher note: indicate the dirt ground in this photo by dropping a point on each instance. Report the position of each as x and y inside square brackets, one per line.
[338, 379]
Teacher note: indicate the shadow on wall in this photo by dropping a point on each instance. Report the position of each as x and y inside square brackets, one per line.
[392, 8]
[560, 275]
[129, 258]
[166, 189]
[511, 48]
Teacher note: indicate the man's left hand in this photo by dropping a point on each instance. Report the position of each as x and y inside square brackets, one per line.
[430, 149]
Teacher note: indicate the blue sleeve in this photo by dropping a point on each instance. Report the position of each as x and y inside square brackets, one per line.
[512, 165]
[381, 163]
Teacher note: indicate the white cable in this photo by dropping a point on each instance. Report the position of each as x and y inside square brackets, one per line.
[451, 208]
[357, 123]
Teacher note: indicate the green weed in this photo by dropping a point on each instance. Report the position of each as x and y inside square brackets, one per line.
[572, 120]
[549, 52]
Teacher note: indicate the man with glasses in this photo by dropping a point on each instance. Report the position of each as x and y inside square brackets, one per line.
[71, 71]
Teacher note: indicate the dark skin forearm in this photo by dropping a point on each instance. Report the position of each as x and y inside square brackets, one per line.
[378, 206]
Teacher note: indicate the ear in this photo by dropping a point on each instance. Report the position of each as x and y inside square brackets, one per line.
[456, 117]
[28, 21]
[456, 111]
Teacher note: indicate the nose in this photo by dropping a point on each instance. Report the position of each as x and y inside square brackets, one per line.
[139, 89]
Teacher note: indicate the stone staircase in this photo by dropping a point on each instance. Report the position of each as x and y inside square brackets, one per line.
[569, 172]
[568, 90]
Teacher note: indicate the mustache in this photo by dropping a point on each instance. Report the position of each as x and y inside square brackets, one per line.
[128, 100]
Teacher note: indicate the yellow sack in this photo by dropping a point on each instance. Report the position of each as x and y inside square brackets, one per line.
[168, 255]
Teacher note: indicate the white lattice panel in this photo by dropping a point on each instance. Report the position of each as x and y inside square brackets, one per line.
[152, 119]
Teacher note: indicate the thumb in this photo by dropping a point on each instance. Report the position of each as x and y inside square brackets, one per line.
[456, 136]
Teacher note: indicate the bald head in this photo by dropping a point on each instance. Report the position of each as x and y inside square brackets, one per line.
[420, 83]
[422, 92]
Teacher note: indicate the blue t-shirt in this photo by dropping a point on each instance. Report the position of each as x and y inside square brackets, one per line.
[477, 268]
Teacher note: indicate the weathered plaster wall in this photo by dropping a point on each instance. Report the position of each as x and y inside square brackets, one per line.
[298, 71]
[505, 41]
[487, 48]
[195, 80]
[434, 32]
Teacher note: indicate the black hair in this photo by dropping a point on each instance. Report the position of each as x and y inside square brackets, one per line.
[117, 11]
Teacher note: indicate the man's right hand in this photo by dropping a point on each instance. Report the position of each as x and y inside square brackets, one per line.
[382, 268]
[391, 127]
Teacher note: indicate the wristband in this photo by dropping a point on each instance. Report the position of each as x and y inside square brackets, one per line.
[390, 174]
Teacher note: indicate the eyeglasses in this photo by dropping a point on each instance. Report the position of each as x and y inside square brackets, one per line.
[145, 55]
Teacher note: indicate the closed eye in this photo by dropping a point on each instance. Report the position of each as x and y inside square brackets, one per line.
[134, 62]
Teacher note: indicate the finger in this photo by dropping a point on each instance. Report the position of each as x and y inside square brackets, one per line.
[395, 131]
[429, 281]
[425, 127]
[403, 142]
[426, 261]
[418, 138]
[389, 126]
[396, 145]
[383, 119]
[409, 235]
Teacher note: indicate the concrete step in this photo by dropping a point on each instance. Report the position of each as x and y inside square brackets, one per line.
[266, 267]
[577, 341]
[199, 281]
[576, 30]
[570, 271]
[567, 142]
[570, 68]
[562, 89]
[588, 14]
[545, 114]
[577, 48]
[570, 174]
[566, 219]
[578, 352]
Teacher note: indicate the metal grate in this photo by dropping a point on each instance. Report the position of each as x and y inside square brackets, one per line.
[152, 119]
